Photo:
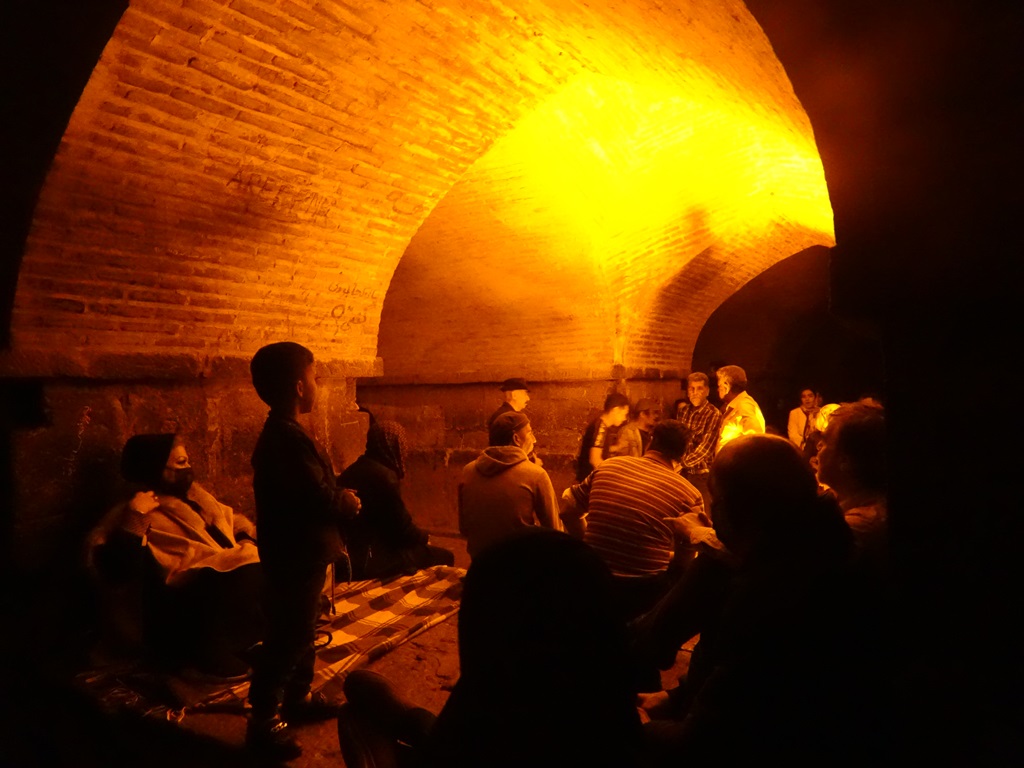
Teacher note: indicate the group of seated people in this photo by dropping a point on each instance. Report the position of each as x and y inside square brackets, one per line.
[197, 562]
[784, 589]
[565, 626]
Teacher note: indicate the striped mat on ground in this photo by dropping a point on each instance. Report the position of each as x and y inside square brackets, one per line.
[369, 619]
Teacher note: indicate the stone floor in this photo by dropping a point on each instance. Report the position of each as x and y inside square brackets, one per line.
[50, 725]
[423, 669]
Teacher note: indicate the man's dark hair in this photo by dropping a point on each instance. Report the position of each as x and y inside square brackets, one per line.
[764, 495]
[670, 438]
[275, 368]
[503, 429]
[698, 377]
[856, 431]
[615, 400]
[736, 375]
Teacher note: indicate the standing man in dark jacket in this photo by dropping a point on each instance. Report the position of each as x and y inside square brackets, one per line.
[300, 512]
[517, 395]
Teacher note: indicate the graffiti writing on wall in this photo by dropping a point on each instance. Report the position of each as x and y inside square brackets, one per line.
[354, 291]
[282, 196]
[345, 317]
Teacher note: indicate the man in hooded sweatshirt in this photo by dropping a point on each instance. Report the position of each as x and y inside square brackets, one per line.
[501, 491]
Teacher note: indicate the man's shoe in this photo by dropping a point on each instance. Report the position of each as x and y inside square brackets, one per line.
[312, 709]
[271, 738]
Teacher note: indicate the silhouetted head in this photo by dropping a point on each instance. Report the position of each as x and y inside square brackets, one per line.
[852, 453]
[670, 438]
[157, 462]
[283, 374]
[765, 501]
[543, 660]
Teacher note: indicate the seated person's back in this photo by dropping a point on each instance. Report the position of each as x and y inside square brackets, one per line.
[775, 673]
[501, 491]
[543, 680]
[543, 664]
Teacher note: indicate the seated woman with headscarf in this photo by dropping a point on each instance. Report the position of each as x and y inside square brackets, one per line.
[202, 600]
[384, 541]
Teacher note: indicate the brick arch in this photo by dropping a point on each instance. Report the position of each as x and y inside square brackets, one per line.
[596, 237]
[243, 171]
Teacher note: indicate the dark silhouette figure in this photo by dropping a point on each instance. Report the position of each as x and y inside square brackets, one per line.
[544, 680]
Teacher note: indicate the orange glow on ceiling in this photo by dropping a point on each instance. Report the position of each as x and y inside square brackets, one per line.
[615, 158]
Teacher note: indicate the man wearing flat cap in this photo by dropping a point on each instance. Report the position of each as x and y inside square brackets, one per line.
[516, 395]
[501, 491]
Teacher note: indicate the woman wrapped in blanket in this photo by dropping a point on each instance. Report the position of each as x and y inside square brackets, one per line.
[198, 560]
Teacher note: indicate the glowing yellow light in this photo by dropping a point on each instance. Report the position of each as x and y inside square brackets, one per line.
[615, 158]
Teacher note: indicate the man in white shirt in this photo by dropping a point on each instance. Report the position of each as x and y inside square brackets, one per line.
[801, 420]
[741, 414]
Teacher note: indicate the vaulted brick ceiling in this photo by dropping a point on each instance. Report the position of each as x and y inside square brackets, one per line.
[554, 188]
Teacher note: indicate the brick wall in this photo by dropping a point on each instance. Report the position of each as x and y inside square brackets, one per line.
[246, 171]
[66, 466]
[238, 172]
[446, 427]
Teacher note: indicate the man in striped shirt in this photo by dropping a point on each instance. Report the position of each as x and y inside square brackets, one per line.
[629, 505]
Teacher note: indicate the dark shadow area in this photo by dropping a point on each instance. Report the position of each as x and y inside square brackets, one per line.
[50, 49]
[50, 724]
[46, 719]
[780, 328]
[916, 117]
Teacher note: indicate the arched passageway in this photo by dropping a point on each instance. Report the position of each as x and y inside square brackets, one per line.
[442, 193]
[188, 203]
